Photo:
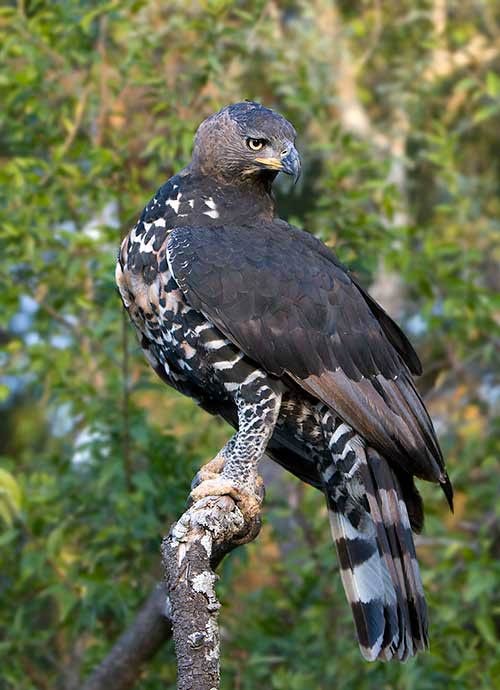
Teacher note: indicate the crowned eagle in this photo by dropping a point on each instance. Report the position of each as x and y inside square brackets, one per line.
[260, 323]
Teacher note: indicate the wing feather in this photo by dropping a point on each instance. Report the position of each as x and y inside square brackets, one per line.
[285, 300]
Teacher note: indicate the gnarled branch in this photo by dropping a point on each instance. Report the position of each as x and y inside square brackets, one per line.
[206, 533]
[212, 527]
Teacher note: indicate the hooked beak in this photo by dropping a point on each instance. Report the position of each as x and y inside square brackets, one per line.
[288, 162]
[291, 164]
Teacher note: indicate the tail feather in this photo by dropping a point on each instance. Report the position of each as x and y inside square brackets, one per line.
[394, 521]
[368, 586]
[371, 529]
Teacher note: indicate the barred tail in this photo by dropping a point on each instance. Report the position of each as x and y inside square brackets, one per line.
[395, 538]
[371, 529]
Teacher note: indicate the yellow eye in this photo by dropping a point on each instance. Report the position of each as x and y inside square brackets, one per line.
[256, 144]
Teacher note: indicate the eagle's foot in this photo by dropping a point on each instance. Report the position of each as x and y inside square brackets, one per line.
[211, 470]
[249, 502]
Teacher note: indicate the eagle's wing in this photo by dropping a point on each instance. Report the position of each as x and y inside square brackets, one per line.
[285, 300]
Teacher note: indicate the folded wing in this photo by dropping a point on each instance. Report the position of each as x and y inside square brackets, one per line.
[286, 301]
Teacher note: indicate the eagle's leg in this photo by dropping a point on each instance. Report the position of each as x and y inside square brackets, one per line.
[258, 405]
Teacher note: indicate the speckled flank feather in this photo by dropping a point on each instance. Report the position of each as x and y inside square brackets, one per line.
[261, 324]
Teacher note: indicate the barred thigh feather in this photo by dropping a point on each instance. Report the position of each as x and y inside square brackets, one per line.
[372, 533]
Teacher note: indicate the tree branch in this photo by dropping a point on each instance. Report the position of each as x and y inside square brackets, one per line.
[193, 535]
[123, 666]
[212, 527]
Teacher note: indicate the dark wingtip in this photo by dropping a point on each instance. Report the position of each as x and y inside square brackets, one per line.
[447, 489]
[415, 364]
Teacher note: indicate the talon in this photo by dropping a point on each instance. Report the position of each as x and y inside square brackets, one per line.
[210, 471]
[248, 503]
[260, 489]
[201, 476]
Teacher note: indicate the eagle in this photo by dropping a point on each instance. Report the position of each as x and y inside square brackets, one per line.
[260, 323]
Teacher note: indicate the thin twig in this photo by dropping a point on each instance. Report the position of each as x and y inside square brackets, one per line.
[127, 459]
[100, 124]
[54, 314]
[23, 28]
[374, 38]
[73, 130]
[77, 121]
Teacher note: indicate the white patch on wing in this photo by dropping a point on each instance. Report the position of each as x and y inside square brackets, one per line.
[403, 514]
[147, 247]
[213, 213]
[347, 449]
[217, 344]
[231, 386]
[257, 374]
[342, 527]
[228, 364]
[386, 497]
[371, 653]
[328, 473]
[202, 327]
[175, 203]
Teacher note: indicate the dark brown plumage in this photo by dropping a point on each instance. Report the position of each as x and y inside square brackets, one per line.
[261, 324]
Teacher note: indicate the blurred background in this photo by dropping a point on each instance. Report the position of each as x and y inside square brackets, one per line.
[397, 105]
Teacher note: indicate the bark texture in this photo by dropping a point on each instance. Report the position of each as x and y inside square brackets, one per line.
[207, 531]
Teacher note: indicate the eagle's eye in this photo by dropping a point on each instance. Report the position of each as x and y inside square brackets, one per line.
[256, 144]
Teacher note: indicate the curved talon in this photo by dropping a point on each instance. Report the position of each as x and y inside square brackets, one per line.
[260, 489]
[211, 470]
[203, 475]
[248, 503]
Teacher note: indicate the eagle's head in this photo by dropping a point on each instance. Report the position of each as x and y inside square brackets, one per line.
[244, 141]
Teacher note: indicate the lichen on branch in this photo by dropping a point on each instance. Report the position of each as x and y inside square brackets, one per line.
[196, 543]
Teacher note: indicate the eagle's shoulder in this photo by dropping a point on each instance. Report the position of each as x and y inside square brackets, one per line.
[167, 200]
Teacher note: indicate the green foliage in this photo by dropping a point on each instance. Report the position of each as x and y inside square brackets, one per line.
[397, 109]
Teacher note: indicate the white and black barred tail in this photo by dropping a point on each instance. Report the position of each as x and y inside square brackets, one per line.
[371, 529]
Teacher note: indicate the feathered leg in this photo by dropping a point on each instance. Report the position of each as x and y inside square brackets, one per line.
[258, 405]
[372, 533]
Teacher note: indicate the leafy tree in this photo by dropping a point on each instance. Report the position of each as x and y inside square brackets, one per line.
[397, 106]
